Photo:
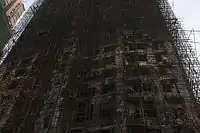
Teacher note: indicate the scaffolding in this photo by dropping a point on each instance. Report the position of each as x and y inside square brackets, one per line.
[94, 75]
[186, 53]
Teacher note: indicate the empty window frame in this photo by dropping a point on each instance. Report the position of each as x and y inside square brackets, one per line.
[158, 57]
[132, 46]
[175, 100]
[149, 109]
[157, 45]
[135, 129]
[109, 60]
[14, 84]
[142, 46]
[110, 48]
[137, 86]
[164, 71]
[105, 112]
[166, 85]
[80, 112]
[94, 64]
[86, 91]
[143, 71]
[20, 72]
[131, 59]
[25, 62]
[108, 87]
[109, 73]
[106, 131]
[142, 57]
[138, 113]
[147, 87]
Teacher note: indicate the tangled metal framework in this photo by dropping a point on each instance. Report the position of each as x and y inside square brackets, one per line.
[20, 27]
[187, 54]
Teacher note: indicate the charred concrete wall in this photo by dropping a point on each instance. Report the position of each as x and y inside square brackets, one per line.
[105, 66]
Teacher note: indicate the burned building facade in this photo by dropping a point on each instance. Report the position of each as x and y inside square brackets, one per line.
[98, 66]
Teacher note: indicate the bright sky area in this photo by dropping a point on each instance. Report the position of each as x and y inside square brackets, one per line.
[187, 11]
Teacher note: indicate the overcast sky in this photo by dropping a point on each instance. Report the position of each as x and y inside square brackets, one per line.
[187, 11]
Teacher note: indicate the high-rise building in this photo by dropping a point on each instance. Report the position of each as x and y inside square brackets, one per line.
[5, 31]
[101, 66]
[10, 12]
[14, 9]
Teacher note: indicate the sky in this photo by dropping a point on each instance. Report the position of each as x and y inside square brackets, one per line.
[28, 3]
[187, 11]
